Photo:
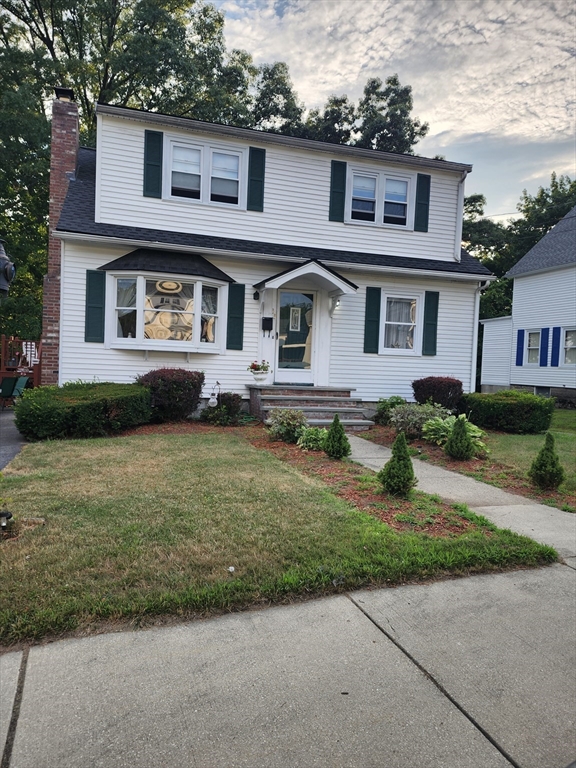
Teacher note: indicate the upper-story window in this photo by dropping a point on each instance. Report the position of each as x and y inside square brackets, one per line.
[205, 173]
[225, 178]
[186, 172]
[380, 198]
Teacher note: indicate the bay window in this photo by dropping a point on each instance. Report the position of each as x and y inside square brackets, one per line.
[166, 313]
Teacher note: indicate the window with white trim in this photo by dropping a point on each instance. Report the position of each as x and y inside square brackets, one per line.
[166, 312]
[401, 324]
[381, 199]
[533, 347]
[569, 346]
[206, 173]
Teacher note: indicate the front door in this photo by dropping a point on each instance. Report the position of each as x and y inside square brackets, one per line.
[294, 346]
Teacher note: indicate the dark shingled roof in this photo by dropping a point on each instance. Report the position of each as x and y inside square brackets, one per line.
[172, 262]
[556, 249]
[78, 217]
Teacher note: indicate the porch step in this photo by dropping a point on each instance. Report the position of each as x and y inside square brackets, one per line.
[319, 404]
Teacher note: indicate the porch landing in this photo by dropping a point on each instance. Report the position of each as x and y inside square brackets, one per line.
[319, 404]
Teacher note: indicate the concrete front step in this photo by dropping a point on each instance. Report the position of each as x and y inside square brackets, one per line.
[316, 412]
[350, 425]
[287, 401]
[279, 390]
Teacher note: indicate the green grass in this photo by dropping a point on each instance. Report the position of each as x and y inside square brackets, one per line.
[149, 525]
[519, 451]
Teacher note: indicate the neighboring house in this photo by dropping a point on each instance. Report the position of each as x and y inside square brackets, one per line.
[535, 348]
[187, 244]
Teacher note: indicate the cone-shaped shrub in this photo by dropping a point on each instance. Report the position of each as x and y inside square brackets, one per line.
[459, 445]
[397, 475]
[337, 445]
[546, 471]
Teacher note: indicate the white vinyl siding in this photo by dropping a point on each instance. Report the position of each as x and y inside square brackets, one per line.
[296, 199]
[544, 300]
[496, 352]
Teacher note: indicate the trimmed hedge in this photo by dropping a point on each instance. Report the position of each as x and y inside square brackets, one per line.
[175, 392]
[81, 410]
[509, 411]
[438, 389]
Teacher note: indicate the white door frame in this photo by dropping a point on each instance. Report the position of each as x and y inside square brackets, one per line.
[298, 375]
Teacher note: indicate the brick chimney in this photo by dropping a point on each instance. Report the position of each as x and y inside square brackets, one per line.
[63, 160]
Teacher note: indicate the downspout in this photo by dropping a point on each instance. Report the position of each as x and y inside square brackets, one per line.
[460, 216]
[481, 286]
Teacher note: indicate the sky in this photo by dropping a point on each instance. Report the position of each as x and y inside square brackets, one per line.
[495, 79]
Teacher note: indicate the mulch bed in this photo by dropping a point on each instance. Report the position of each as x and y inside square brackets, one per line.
[487, 470]
[345, 479]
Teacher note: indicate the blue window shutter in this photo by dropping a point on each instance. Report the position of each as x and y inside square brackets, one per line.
[235, 326]
[422, 210]
[556, 335]
[256, 172]
[544, 336]
[520, 347]
[430, 330]
[337, 191]
[153, 141]
[95, 306]
[372, 320]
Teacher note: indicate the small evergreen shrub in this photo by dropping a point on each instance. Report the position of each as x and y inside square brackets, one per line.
[411, 417]
[312, 438]
[509, 411]
[286, 424]
[438, 389]
[337, 445]
[438, 431]
[384, 408]
[226, 413]
[81, 409]
[397, 475]
[546, 471]
[175, 392]
[459, 445]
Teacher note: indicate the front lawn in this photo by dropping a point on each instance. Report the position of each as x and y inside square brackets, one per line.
[151, 525]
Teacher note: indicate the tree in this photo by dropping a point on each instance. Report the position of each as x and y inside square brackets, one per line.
[276, 106]
[397, 475]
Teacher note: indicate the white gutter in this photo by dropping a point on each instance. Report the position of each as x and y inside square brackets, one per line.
[203, 251]
[477, 293]
[460, 217]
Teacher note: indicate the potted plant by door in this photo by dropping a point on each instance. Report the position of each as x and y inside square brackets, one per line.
[259, 371]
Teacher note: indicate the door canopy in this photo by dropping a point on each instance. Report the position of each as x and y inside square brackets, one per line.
[311, 274]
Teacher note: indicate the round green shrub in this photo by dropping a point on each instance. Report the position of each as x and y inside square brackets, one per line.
[312, 438]
[397, 475]
[384, 408]
[286, 424]
[337, 445]
[546, 471]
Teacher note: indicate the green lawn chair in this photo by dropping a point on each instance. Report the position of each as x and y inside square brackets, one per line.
[7, 389]
[15, 387]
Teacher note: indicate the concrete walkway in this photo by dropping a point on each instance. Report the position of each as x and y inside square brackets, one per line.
[477, 672]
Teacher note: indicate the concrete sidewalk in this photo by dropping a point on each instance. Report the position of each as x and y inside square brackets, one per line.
[546, 525]
[477, 672]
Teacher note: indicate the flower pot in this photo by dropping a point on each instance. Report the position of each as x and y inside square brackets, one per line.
[260, 376]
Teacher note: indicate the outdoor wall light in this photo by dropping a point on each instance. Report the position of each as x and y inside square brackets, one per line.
[213, 401]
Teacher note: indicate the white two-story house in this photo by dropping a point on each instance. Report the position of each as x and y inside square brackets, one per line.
[534, 349]
[186, 244]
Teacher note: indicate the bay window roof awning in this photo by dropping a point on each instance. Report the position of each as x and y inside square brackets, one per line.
[169, 262]
[312, 273]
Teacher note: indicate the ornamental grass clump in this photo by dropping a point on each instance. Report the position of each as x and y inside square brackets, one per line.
[397, 475]
[546, 471]
[337, 445]
[459, 445]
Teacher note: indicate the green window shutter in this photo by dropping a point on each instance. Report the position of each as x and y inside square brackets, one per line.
[153, 141]
[95, 305]
[256, 172]
[430, 322]
[337, 191]
[235, 328]
[372, 320]
[422, 203]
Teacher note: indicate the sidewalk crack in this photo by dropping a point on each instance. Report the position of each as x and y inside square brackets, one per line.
[7, 753]
[435, 682]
